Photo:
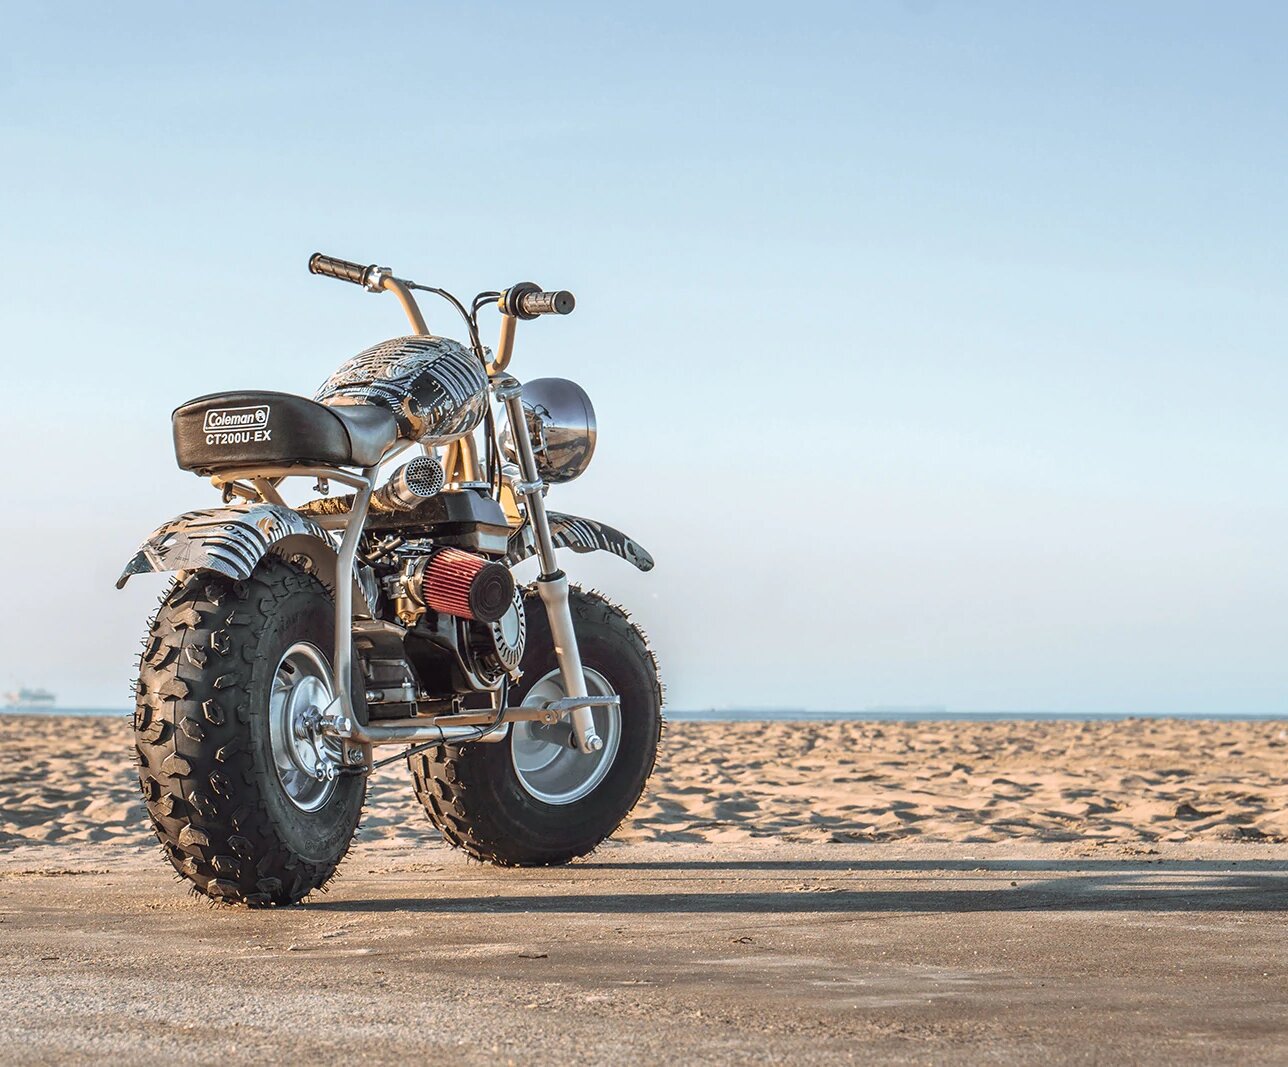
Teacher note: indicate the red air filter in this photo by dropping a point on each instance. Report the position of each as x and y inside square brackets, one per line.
[467, 586]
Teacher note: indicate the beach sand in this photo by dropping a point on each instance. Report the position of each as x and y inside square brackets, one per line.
[1001, 893]
[1133, 781]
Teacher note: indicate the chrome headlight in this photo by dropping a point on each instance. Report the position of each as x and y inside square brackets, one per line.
[561, 426]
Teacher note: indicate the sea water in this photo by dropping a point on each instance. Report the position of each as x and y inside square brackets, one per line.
[809, 715]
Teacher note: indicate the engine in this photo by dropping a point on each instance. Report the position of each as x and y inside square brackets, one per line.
[461, 602]
[461, 626]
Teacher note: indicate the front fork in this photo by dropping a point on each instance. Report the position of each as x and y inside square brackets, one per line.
[552, 583]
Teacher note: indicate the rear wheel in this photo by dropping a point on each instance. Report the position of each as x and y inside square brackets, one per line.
[243, 792]
[533, 799]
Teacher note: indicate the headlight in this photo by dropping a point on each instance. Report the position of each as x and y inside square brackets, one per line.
[561, 425]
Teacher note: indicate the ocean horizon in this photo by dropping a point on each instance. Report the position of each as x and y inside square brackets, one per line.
[817, 715]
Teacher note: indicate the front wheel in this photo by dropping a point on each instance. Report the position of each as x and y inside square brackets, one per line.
[533, 800]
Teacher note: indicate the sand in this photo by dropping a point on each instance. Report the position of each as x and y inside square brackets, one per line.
[1135, 781]
[1018, 893]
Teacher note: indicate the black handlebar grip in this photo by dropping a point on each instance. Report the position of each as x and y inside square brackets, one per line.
[339, 269]
[540, 303]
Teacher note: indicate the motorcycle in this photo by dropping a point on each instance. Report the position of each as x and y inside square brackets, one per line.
[297, 639]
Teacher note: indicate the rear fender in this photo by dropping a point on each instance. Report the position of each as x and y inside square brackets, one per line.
[581, 535]
[232, 540]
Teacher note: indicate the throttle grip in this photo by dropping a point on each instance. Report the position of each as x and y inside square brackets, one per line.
[558, 303]
[340, 269]
[527, 300]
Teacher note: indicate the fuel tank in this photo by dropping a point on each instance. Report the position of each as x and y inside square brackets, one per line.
[435, 387]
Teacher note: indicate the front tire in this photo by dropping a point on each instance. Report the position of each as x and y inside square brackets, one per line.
[228, 667]
[531, 800]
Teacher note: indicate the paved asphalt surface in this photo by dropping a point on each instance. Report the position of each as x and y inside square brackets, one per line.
[661, 953]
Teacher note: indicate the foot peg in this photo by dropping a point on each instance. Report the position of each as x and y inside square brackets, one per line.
[568, 703]
[591, 742]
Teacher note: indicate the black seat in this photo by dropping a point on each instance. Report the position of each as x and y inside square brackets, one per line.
[253, 427]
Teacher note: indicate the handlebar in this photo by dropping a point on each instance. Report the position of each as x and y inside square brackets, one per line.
[527, 300]
[341, 269]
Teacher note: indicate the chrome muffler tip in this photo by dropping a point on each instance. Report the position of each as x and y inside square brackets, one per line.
[413, 482]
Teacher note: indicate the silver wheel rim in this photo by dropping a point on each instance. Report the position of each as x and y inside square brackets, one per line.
[548, 767]
[306, 761]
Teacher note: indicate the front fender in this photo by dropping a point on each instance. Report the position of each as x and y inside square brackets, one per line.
[232, 540]
[581, 535]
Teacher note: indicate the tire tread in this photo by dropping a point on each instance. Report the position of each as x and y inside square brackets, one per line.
[191, 710]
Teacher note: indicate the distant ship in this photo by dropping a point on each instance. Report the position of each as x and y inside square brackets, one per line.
[29, 698]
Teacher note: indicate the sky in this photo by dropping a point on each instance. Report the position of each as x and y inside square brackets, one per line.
[937, 348]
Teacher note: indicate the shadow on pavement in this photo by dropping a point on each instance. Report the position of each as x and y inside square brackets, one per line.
[1143, 865]
[1140, 889]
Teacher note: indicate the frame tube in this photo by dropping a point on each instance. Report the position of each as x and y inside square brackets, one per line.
[344, 594]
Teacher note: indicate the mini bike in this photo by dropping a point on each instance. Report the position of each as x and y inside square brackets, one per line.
[298, 639]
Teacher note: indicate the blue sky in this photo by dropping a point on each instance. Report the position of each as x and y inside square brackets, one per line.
[937, 348]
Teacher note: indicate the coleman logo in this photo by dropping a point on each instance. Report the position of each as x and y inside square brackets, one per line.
[237, 426]
[250, 418]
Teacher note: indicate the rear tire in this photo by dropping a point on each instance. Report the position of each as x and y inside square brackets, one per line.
[477, 798]
[211, 777]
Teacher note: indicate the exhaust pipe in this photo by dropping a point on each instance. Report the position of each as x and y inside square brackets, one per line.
[414, 481]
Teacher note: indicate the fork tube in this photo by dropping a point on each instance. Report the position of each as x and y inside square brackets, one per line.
[552, 583]
[553, 590]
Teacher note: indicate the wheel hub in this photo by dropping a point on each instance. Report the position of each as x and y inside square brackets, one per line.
[546, 759]
[307, 762]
